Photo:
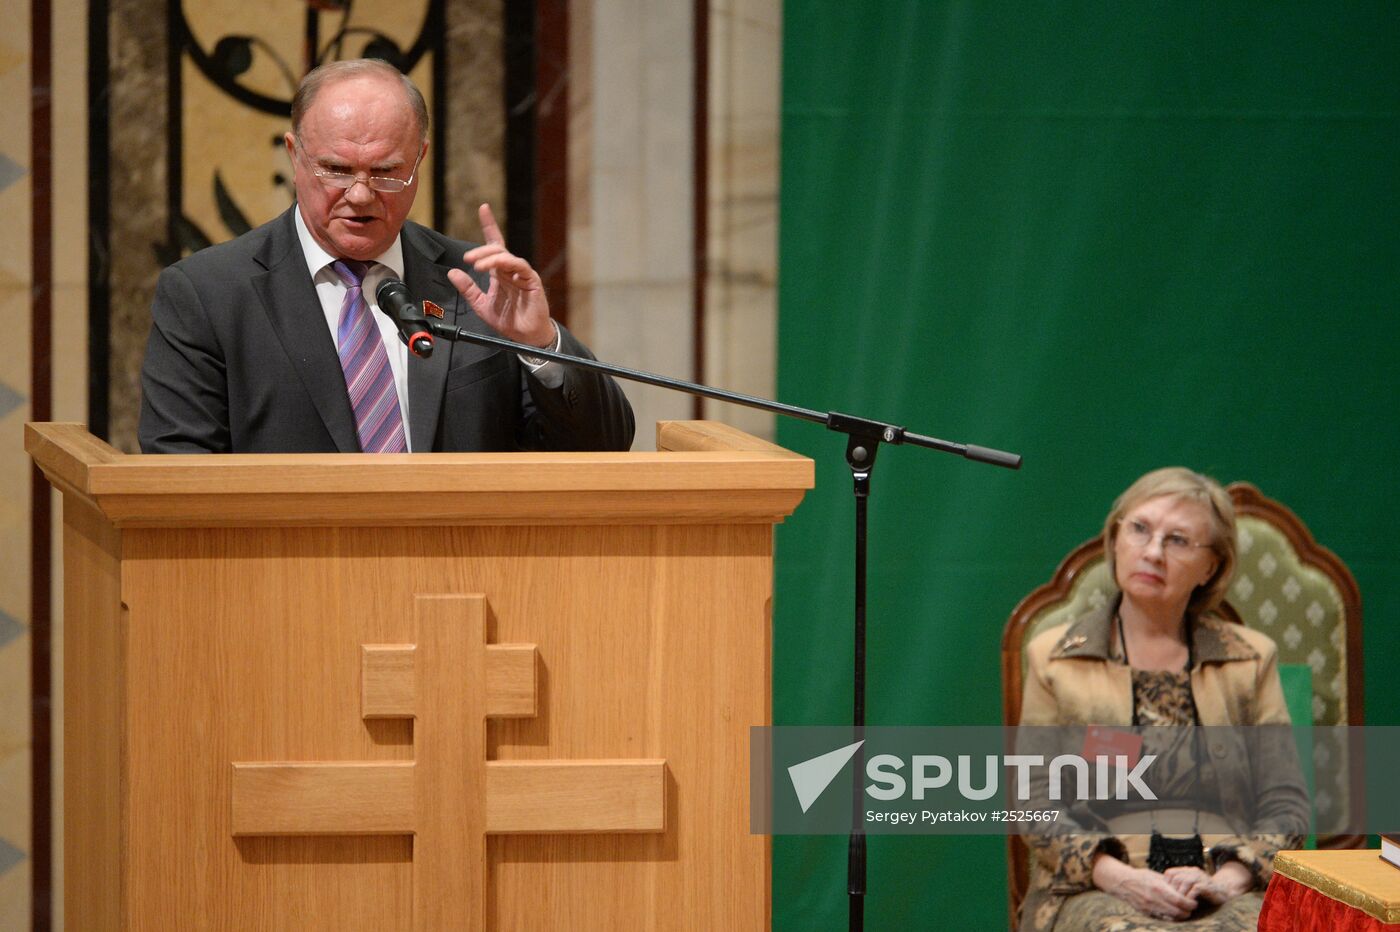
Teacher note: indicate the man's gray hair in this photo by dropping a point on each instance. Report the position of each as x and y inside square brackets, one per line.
[334, 71]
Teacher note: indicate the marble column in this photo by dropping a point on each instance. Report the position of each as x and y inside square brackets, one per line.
[632, 191]
[741, 308]
[631, 220]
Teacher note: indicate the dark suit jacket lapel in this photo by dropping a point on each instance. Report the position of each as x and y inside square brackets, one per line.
[427, 279]
[289, 298]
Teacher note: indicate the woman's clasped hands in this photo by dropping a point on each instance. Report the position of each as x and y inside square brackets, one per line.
[1147, 891]
[1230, 880]
[1174, 894]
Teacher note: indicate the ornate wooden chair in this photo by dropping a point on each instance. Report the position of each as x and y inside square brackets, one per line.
[1286, 585]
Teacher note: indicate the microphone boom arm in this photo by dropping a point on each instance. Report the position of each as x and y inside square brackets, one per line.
[858, 428]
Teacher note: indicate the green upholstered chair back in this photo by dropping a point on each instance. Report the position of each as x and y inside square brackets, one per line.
[1286, 585]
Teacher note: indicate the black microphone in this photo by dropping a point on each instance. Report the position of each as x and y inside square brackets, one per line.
[394, 300]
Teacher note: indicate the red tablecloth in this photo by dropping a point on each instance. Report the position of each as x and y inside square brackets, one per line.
[1292, 907]
[1325, 891]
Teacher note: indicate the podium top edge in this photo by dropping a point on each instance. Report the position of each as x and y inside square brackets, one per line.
[72, 457]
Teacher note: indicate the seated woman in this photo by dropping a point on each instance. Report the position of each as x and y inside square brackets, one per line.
[1155, 655]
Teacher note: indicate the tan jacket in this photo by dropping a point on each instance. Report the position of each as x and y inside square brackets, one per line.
[1071, 680]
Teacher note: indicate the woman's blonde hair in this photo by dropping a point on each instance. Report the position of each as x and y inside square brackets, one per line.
[1182, 483]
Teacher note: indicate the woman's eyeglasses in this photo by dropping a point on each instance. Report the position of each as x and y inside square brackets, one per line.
[1141, 534]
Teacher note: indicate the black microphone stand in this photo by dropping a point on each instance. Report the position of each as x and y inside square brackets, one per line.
[863, 439]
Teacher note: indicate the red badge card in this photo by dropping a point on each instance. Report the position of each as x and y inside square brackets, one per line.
[1105, 741]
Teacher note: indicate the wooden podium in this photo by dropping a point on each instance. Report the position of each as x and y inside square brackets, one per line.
[421, 692]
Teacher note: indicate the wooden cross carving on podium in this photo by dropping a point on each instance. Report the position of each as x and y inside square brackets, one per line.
[449, 797]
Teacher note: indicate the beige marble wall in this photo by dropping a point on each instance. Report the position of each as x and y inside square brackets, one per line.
[15, 278]
[741, 323]
[632, 190]
[630, 200]
[69, 402]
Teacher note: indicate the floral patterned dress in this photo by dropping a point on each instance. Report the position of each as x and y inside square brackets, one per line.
[1161, 698]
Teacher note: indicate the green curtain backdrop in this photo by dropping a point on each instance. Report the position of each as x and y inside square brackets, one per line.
[1109, 236]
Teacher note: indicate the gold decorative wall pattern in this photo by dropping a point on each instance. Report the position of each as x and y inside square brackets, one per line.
[239, 66]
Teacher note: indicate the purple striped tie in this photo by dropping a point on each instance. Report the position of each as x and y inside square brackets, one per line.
[368, 377]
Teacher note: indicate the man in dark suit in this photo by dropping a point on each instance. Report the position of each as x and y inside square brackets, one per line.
[272, 342]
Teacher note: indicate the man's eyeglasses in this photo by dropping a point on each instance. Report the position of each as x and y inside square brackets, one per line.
[346, 180]
[1140, 534]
